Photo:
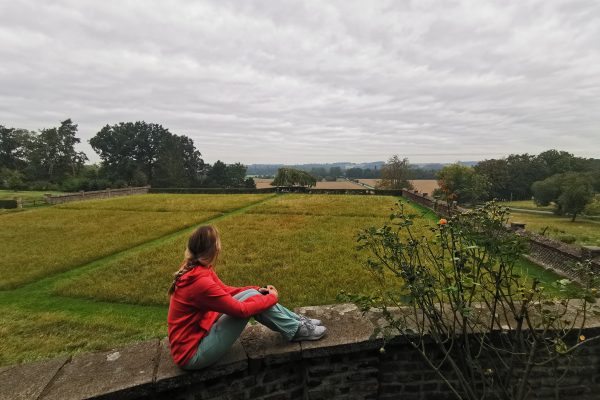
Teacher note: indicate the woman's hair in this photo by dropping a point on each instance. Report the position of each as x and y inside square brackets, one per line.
[203, 248]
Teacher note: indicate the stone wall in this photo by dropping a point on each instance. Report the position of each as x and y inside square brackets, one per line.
[543, 251]
[345, 364]
[561, 257]
[98, 194]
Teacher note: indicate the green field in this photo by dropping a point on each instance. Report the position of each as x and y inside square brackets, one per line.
[91, 275]
[583, 231]
[525, 205]
[26, 195]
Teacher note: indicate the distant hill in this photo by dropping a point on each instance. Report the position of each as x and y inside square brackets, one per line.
[271, 169]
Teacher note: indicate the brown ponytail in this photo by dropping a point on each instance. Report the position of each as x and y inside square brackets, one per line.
[204, 246]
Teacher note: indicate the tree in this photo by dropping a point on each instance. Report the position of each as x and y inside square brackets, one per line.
[53, 156]
[293, 177]
[15, 144]
[140, 152]
[461, 183]
[335, 172]
[395, 174]
[570, 192]
[497, 174]
[458, 299]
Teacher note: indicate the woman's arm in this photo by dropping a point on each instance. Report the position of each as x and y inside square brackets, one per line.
[232, 290]
[215, 298]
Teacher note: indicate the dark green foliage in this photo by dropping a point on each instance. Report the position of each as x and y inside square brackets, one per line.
[144, 153]
[511, 178]
[8, 203]
[463, 184]
[293, 177]
[570, 192]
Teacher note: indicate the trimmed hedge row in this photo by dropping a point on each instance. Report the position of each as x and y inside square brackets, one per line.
[8, 204]
[380, 192]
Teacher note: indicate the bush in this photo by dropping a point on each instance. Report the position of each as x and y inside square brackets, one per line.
[463, 306]
[41, 186]
[593, 208]
[569, 239]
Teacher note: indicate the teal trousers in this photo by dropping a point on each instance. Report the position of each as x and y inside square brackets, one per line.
[227, 329]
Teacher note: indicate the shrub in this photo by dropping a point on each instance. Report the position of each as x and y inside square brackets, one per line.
[567, 238]
[462, 298]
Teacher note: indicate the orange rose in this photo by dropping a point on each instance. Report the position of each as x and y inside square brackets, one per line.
[442, 221]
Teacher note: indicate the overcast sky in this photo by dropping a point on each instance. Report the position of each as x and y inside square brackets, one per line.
[312, 81]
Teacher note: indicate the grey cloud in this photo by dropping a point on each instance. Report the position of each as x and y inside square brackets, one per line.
[295, 81]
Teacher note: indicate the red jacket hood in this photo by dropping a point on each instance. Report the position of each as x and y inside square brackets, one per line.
[190, 277]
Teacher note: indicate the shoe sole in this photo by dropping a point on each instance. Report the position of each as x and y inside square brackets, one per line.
[310, 338]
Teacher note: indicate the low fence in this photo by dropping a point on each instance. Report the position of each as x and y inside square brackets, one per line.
[98, 194]
[278, 189]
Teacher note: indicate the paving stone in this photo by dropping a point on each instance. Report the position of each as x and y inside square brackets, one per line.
[170, 376]
[119, 374]
[262, 343]
[27, 381]
[347, 330]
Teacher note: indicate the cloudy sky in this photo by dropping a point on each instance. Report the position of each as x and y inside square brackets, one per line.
[312, 81]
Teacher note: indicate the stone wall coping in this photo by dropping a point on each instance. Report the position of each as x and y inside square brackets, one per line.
[144, 369]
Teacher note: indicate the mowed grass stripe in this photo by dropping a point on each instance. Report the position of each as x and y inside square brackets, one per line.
[171, 202]
[329, 205]
[43, 242]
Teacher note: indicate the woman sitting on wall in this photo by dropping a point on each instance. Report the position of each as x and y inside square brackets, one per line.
[206, 316]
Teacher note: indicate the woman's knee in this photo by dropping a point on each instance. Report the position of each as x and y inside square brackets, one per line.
[246, 293]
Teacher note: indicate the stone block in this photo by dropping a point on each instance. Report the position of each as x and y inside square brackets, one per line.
[121, 374]
[170, 376]
[27, 381]
[347, 331]
[261, 343]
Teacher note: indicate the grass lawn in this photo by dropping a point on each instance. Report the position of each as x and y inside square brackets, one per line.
[525, 205]
[25, 195]
[309, 258]
[581, 232]
[170, 202]
[327, 205]
[44, 241]
[98, 271]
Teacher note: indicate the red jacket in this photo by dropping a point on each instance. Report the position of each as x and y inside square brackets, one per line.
[199, 299]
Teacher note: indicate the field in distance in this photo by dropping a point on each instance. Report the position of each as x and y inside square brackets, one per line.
[422, 185]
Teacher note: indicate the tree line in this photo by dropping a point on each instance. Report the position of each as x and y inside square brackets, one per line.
[551, 177]
[131, 154]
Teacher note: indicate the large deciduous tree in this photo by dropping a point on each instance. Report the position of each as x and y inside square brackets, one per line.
[15, 145]
[53, 156]
[570, 192]
[293, 177]
[395, 174]
[462, 183]
[141, 152]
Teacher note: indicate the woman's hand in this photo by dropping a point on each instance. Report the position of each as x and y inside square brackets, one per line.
[269, 289]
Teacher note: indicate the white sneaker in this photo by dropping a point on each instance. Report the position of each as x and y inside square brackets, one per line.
[309, 331]
[311, 320]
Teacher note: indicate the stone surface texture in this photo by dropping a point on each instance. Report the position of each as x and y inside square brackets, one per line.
[123, 374]
[29, 380]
